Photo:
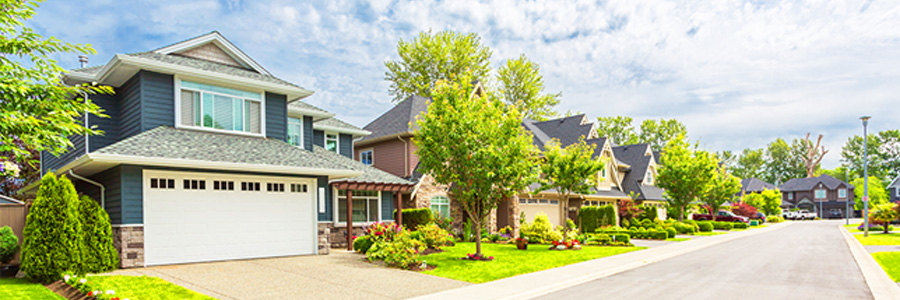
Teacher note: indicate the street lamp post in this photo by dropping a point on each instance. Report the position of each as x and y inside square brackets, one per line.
[847, 199]
[865, 121]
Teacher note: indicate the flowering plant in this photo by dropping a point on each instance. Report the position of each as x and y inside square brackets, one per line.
[481, 257]
[83, 285]
[8, 168]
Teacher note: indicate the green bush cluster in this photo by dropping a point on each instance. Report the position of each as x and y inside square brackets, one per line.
[672, 232]
[774, 219]
[741, 225]
[602, 239]
[434, 236]
[401, 251]
[100, 255]
[649, 212]
[53, 238]
[9, 244]
[685, 228]
[705, 226]
[413, 217]
[718, 225]
[651, 234]
[362, 244]
[540, 231]
[593, 217]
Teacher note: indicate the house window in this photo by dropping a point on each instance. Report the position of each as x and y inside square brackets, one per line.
[250, 186]
[649, 177]
[299, 188]
[365, 206]
[220, 185]
[603, 172]
[331, 142]
[790, 196]
[295, 132]
[275, 187]
[215, 107]
[820, 194]
[194, 184]
[554, 202]
[365, 157]
[842, 193]
[162, 183]
[441, 206]
[522, 201]
[532, 201]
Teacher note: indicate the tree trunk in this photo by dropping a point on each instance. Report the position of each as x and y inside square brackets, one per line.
[886, 227]
[681, 216]
[477, 224]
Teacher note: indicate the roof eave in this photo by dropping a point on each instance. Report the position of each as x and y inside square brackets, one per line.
[354, 132]
[315, 114]
[215, 165]
[382, 138]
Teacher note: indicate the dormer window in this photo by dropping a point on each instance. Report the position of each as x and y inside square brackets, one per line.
[649, 179]
[295, 132]
[220, 108]
[331, 142]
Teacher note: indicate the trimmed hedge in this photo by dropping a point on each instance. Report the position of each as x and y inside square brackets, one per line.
[53, 242]
[650, 212]
[705, 226]
[413, 217]
[96, 233]
[742, 225]
[9, 244]
[593, 217]
[362, 244]
[672, 232]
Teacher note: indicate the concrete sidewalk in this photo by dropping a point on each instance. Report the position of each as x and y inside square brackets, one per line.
[540, 283]
[881, 285]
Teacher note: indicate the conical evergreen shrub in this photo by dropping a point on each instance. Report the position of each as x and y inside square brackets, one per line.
[99, 253]
[52, 232]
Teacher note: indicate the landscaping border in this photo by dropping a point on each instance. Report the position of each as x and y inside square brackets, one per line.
[880, 284]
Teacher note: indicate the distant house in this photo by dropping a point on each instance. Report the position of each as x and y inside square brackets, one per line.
[823, 194]
[754, 186]
[893, 190]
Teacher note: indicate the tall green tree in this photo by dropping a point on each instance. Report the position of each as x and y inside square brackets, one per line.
[430, 58]
[768, 201]
[877, 193]
[657, 133]
[99, 254]
[720, 189]
[619, 129]
[727, 159]
[566, 170]
[52, 235]
[884, 155]
[475, 144]
[751, 163]
[840, 173]
[684, 173]
[522, 85]
[39, 111]
[782, 162]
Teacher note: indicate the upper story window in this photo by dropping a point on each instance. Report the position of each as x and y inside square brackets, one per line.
[649, 177]
[820, 194]
[214, 107]
[365, 157]
[295, 132]
[331, 142]
[790, 196]
[842, 193]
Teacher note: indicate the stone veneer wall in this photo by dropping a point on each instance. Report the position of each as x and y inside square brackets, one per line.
[337, 236]
[428, 188]
[324, 241]
[129, 241]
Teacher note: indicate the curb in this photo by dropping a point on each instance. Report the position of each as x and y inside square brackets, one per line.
[881, 286]
[531, 285]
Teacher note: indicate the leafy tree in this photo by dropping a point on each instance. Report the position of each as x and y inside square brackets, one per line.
[751, 164]
[99, 253]
[768, 201]
[720, 189]
[628, 210]
[617, 128]
[474, 143]
[877, 193]
[884, 213]
[727, 159]
[27, 164]
[884, 155]
[684, 173]
[39, 111]
[522, 85]
[52, 232]
[659, 133]
[782, 162]
[743, 209]
[839, 173]
[431, 58]
[566, 170]
[9, 245]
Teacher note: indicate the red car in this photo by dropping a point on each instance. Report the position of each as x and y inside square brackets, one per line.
[723, 216]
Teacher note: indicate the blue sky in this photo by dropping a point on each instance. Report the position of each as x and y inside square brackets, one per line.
[737, 73]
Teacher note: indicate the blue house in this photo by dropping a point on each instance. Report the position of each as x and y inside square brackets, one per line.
[207, 156]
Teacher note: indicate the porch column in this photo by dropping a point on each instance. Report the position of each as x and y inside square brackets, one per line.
[349, 220]
[398, 205]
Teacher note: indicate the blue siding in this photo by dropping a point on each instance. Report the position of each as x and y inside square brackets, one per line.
[319, 138]
[157, 100]
[308, 133]
[387, 206]
[111, 179]
[132, 199]
[51, 162]
[328, 215]
[109, 125]
[129, 95]
[346, 145]
[276, 116]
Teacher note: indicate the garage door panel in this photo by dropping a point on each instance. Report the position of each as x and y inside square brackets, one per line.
[207, 225]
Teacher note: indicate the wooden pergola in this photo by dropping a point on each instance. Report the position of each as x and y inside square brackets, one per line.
[350, 186]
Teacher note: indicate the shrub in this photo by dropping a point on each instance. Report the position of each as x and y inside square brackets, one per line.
[689, 222]
[621, 237]
[589, 217]
[434, 236]
[743, 209]
[96, 233]
[443, 223]
[402, 251]
[672, 232]
[413, 217]
[657, 234]
[705, 226]
[541, 231]
[9, 245]
[741, 225]
[52, 231]
[598, 240]
[727, 225]
[684, 228]
[774, 219]
[649, 212]
[362, 244]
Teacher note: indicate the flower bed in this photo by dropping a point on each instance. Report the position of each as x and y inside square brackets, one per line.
[85, 286]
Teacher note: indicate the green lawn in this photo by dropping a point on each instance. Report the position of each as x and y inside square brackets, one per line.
[852, 228]
[710, 233]
[879, 239]
[509, 261]
[142, 287]
[20, 288]
[890, 262]
[677, 239]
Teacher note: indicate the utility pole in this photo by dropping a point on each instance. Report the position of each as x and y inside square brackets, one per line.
[865, 120]
[847, 199]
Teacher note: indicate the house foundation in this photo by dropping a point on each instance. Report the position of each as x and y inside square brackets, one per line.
[129, 242]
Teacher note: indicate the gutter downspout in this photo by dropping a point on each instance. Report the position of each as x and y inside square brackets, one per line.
[83, 59]
[102, 188]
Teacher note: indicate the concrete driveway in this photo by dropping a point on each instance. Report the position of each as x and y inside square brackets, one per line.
[339, 275]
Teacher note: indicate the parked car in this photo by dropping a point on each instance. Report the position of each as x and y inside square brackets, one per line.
[804, 215]
[761, 217]
[723, 216]
[835, 213]
[786, 213]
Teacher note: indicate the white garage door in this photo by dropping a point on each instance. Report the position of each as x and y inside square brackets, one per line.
[194, 217]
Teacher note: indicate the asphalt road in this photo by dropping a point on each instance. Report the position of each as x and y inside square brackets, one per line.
[806, 260]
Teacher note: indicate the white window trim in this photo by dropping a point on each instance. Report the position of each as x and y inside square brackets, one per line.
[790, 195]
[262, 111]
[337, 141]
[845, 193]
[364, 151]
[335, 202]
[302, 130]
[815, 194]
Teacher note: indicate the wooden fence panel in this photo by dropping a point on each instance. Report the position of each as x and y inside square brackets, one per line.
[13, 215]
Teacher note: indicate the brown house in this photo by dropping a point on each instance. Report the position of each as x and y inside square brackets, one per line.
[825, 195]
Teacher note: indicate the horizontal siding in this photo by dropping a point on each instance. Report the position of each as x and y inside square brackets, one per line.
[387, 206]
[157, 100]
[327, 216]
[109, 125]
[276, 116]
[308, 133]
[387, 156]
[132, 199]
[319, 138]
[130, 107]
[346, 145]
[51, 162]
[111, 180]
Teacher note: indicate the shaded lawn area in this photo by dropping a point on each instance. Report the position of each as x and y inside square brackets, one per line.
[21, 288]
[879, 239]
[142, 287]
[890, 262]
[509, 261]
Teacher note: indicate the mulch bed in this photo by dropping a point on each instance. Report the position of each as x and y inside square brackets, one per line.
[431, 251]
[67, 291]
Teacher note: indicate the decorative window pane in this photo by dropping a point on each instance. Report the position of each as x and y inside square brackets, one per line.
[790, 196]
[331, 142]
[842, 193]
[295, 132]
[441, 205]
[253, 117]
[190, 108]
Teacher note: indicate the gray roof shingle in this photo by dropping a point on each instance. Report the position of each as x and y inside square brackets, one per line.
[808, 183]
[755, 185]
[302, 105]
[633, 155]
[399, 119]
[567, 130]
[210, 66]
[334, 122]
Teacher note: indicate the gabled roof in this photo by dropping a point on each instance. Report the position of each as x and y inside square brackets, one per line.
[755, 185]
[399, 120]
[303, 108]
[219, 40]
[808, 183]
[337, 125]
[567, 130]
[636, 156]
[895, 183]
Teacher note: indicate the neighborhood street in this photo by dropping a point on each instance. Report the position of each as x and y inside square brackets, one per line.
[806, 260]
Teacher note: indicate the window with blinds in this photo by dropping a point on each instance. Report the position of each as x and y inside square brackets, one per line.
[215, 107]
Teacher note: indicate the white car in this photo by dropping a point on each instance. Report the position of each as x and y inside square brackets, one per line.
[804, 215]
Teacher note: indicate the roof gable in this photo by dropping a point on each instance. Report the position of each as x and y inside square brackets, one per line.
[400, 119]
[213, 47]
[809, 183]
